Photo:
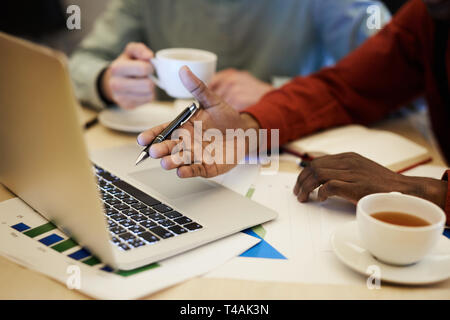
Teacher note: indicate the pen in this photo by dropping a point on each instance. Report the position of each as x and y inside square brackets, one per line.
[91, 123]
[304, 163]
[175, 124]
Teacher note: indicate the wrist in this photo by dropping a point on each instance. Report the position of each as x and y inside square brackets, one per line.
[427, 188]
[103, 87]
[248, 122]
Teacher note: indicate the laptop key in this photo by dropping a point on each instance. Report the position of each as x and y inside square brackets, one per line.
[115, 240]
[182, 220]
[139, 206]
[137, 229]
[193, 226]
[148, 224]
[138, 194]
[129, 200]
[122, 196]
[137, 243]
[123, 246]
[117, 230]
[177, 229]
[139, 217]
[111, 223]
[127, 236]
[173, 214]
[107, 176]
[121, 207]
[110, 211]
[156, 217]
[149, 237]
[166, 223]
[107, 196]
[127, 223]
[118, 217]
[115, 191]
[129, 212]
[107, 187]
[147, 211]
[113, 202]
[162, 208]
[161, 232]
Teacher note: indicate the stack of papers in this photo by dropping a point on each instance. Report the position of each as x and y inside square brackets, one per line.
[31, 241]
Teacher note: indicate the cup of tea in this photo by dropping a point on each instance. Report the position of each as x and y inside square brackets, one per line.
[168, 62]
[399, 229]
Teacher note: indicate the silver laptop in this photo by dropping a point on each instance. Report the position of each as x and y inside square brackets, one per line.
[126, 216]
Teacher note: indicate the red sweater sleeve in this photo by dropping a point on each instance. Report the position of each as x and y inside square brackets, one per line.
[381, 75]
[447, 202]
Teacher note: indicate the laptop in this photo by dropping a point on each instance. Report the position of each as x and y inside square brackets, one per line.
[126, 216]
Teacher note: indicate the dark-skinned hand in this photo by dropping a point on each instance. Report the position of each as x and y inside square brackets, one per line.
[351, 176]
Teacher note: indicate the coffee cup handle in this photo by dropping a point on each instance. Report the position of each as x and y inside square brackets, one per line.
[156, 81]
[155, 63]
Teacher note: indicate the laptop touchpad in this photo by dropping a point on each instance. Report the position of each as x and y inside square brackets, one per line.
[169, 184]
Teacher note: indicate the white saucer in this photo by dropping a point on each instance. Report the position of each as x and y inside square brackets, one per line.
[143, 117]
[347, 245]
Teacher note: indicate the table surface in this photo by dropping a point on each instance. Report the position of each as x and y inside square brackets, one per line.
[21, 283]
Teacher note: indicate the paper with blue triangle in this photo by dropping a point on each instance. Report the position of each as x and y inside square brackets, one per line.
[261, 250]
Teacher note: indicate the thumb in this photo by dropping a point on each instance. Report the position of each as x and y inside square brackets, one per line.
[198, 89]
[137, 50]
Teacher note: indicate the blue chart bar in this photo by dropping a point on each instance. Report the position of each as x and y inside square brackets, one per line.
[107, 269]
[20, 227]
[51, 239]
[80, 254]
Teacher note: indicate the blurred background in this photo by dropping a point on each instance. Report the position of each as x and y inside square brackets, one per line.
[44, 21]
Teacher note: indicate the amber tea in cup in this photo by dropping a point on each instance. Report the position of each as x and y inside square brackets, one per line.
[401, 219]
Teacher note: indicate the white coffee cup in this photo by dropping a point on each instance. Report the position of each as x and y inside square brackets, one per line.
[168, 62]
[395, 244]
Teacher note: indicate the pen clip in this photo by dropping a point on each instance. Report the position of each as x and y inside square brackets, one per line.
[194, 110]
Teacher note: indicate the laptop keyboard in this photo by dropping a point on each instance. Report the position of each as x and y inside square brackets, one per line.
[136, 219]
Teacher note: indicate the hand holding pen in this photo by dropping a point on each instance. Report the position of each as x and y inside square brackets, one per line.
[212, 113]
[182, 118]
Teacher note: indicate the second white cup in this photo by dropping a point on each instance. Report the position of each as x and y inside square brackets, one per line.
[397, 244]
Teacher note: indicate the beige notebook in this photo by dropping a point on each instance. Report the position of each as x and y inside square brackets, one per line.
[386, 148]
